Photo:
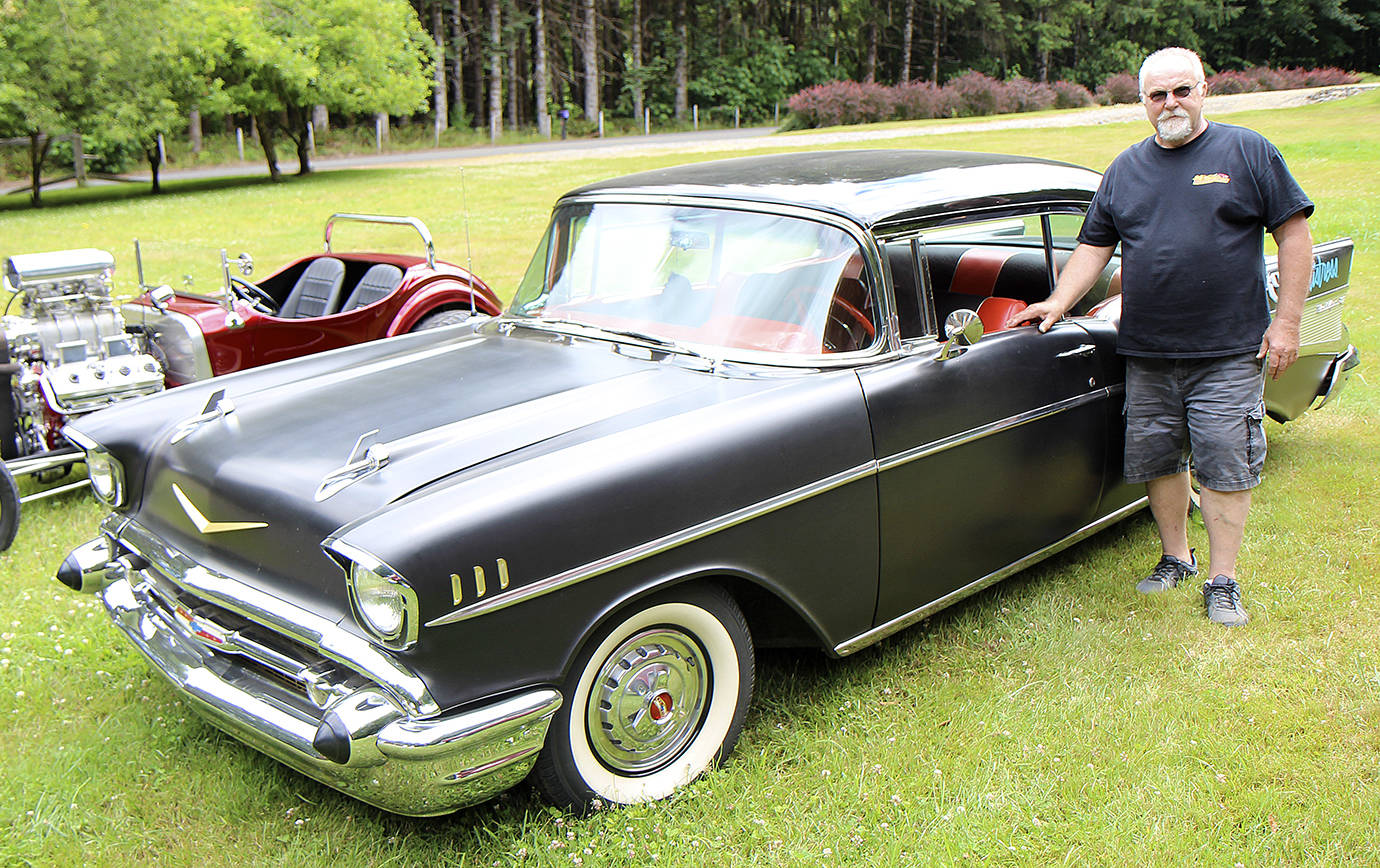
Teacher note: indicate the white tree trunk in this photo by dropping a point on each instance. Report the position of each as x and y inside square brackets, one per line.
[681, 76]
[539, 73]
[439, 96]
[495, 71]
[589, 53]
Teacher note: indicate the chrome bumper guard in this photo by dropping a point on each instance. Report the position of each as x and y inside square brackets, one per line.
[341, 729]
[1337, 375]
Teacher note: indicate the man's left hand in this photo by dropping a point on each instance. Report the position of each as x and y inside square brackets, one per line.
[1280, 348]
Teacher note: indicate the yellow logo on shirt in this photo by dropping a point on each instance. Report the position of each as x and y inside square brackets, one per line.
[1214, 178]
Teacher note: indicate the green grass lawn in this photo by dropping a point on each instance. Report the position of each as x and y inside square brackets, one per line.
[1057, 718]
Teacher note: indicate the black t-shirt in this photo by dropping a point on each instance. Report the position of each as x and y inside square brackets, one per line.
[1191, 223]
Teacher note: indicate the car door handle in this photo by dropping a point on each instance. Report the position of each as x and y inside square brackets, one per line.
[1080, 350]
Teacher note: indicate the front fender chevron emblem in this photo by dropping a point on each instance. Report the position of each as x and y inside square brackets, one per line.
[205, 525]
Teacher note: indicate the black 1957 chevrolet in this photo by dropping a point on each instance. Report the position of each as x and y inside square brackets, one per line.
[737, 403]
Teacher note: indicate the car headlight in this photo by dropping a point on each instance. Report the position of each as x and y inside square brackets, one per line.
[104, 470]
[383, 601]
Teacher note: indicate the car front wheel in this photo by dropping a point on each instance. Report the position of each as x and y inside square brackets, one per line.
[653, 703]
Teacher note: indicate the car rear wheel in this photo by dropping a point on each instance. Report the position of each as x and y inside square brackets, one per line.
[441, 319]
[653, 703]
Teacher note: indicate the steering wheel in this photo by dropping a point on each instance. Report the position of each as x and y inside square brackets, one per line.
[252, 295]
[850, 320]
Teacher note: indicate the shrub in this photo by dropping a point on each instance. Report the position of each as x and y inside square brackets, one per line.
[1031, 96]
[842, 102]
[1119, 89]
[1071, 94]
[876, 102]
[920, 100]
[976, 94]
[1232, 81]
[1328, 75]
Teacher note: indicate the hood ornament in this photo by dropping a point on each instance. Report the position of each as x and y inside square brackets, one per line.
[217, 407]
[205, 525]
[364, 460]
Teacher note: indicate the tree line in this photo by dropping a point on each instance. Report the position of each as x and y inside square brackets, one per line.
[122, 72]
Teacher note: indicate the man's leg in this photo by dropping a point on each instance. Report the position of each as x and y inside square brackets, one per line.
[1226, 425]
[1169, 505]
[1224, 513]
[1156, 431]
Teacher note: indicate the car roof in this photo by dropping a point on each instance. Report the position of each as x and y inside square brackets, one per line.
[875, 188]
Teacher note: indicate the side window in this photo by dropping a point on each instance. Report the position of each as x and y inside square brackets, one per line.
[914, 308]
[996, 266]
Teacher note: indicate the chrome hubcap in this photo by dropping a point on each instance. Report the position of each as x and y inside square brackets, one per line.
[647, 700]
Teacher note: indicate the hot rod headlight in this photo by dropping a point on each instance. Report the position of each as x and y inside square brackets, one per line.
[383, 601]
[103, 469]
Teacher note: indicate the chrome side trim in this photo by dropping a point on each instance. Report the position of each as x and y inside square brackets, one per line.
[934, 447]
[657, 546]
[300, 624]
[876, 634]
[747, 513]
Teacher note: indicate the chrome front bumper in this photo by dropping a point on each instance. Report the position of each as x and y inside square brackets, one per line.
[344, 730]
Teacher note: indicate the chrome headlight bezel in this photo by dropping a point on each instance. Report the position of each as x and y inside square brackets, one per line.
[381, 600]
[104, 471]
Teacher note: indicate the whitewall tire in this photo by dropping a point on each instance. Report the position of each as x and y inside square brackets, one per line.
[653, 703]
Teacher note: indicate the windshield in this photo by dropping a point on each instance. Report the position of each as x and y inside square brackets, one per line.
[704, 276]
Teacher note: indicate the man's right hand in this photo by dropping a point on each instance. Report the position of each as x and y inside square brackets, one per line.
[1046, 313]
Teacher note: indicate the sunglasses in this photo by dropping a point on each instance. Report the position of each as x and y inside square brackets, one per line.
[1180, 92]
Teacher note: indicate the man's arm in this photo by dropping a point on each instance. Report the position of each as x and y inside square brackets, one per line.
[1281, 342]
[1078, 276]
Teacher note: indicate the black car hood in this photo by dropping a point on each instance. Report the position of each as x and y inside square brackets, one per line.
[440, 407]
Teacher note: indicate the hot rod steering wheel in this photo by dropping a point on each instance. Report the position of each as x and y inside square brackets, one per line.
[253, 295]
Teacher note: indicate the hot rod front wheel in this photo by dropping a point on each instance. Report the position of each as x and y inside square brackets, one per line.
[9, 507]
[653, 703]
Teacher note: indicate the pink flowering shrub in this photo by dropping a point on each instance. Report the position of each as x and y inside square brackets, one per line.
[1031, 96]
[973, 93]
[842, 102]
[1260, 78]
[1071, 94]
[1119, 89]
[919, 100]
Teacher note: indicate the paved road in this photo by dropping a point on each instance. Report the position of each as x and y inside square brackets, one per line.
[702, 141]
[287, 162]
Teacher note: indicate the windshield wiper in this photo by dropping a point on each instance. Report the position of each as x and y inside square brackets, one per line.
[655, 340]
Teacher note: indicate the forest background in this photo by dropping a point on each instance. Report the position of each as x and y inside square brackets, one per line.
[130, 75]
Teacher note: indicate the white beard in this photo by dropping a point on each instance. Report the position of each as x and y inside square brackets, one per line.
[1174, 126]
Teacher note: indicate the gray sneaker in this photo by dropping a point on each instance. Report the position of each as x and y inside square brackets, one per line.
[1168, 573]
[1222, 599]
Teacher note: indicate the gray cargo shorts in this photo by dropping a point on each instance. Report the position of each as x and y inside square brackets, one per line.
[1210, 409]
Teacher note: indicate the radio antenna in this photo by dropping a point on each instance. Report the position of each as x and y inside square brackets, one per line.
[469, 260]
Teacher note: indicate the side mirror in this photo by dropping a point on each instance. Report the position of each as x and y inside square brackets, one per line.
[245, 263]
[962, 328]
[160, 296]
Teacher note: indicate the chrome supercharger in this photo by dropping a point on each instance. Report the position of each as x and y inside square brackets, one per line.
[64, 351]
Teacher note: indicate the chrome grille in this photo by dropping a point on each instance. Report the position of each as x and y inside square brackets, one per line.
[226, 635]
[1322, 319]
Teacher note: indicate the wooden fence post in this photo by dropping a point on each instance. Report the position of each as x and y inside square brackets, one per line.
[78, 160]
